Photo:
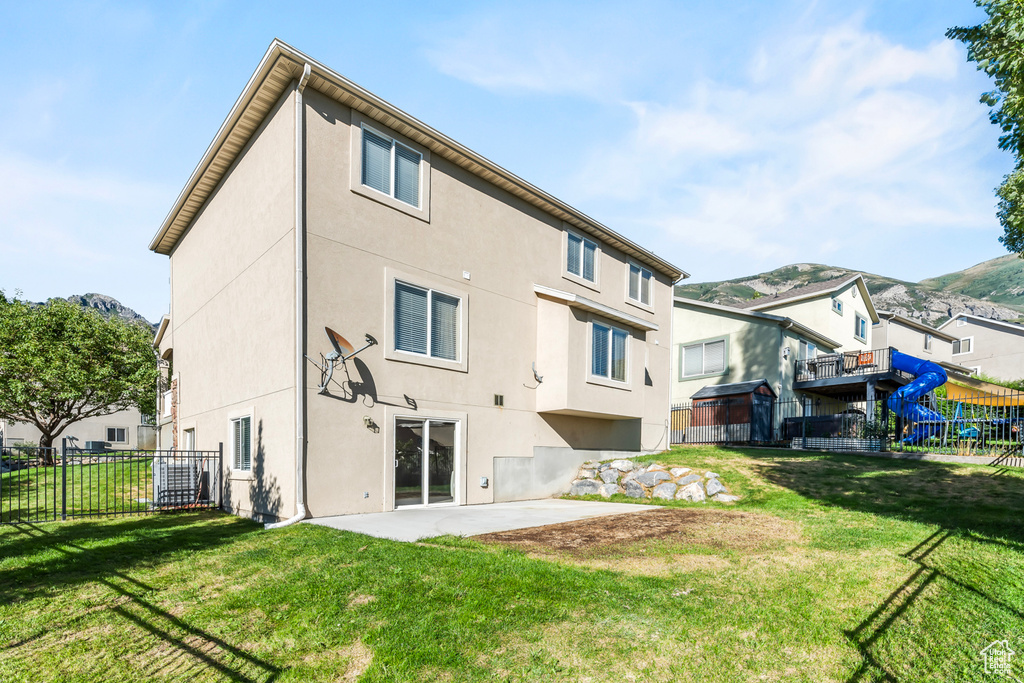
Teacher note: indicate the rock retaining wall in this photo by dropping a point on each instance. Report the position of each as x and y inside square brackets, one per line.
[652, 481]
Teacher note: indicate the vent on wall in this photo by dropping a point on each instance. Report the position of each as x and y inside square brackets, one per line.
[499, 400]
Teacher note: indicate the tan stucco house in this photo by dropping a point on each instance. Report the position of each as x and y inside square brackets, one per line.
[514, 334]
[987, 347]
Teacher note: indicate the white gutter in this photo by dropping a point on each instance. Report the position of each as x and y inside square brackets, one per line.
[300, 310]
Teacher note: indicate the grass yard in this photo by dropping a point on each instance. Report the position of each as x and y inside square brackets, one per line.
[831, 568]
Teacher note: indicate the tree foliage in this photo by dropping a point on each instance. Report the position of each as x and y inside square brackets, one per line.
[60, 363]
[997, 46]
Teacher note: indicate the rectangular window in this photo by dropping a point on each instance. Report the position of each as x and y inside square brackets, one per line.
[808, 350]
[188, 440]
[640, 284]
[963, 345]
[391, 168]
[426, 322]
[608, 352]
[581, 257]
[961, 322]
[860, 327]
[705, 358]
[927, 342]
[837, 306]
[117, 434]
[241, 448]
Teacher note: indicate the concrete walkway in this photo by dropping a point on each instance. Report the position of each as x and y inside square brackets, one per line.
[470, 520]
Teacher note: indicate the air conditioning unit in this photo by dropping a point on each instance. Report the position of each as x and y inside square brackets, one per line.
[180, 483]
[96, 446]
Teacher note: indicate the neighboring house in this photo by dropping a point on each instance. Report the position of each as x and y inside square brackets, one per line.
[718, 345]
[124, 429]
[514, 333]
[988, 347]
[840, 309]
[916, 339]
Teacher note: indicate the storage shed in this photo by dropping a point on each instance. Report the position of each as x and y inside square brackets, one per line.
[738, 412]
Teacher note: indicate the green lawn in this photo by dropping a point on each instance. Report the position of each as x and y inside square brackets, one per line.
[831, 568]
[117, 486]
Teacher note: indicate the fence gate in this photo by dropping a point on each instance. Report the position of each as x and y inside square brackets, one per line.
[44, 484]
[761, 411]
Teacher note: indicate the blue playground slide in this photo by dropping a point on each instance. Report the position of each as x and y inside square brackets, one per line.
[927, 376]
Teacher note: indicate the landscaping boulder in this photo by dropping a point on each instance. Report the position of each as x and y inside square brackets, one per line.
[652, 478]
[689, 479]
[610, 476]
[714, 486]
[664, 491]
[609, 490]
[679, 471]
[656, 467]
[622, 465]
[584, 487]
[710, 475]
[634, 489]
[692, 492]
[726, 498]
[587, 474]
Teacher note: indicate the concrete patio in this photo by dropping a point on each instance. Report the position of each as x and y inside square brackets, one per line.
[412, 524]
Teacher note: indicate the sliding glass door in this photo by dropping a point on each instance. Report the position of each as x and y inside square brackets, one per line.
[425, 452]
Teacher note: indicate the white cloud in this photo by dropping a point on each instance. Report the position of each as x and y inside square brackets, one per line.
[835, 143]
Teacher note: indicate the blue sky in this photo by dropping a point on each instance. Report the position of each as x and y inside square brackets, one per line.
[730, 138]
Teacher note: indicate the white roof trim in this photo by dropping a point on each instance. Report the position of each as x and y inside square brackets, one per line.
[164, 322]
[821, 292]
[1013, 326]
[583, 303]
[781, 321]
[282, 61]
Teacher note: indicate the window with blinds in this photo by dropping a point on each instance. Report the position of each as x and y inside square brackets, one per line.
[705, 358]
[640, 284]
[241, 447]
[391, 168]
[608, 352]
[581, 257]
[426, 322]
[963, 345]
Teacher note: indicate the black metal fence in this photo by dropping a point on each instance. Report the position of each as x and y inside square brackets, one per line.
[990, 425]
[47, 484]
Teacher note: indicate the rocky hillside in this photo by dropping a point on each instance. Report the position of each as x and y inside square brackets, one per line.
[994, 289]
[108, 306]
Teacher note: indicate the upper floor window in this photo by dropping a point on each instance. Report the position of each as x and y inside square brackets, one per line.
[391, 168]
[961, 322]
[640, 284]
[808, 350]
[426, 322]
[837, 306]
[704, 358]
[965, 345]
[860, 327]
[581, 257]
[927, 342]
[608, 357]
[241, 447]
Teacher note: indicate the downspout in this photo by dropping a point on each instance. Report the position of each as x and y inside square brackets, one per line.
[300, 309]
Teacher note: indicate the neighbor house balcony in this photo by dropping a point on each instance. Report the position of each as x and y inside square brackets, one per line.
[850, 370]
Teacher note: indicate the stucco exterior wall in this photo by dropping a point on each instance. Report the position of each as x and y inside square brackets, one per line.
[754, 350]
[911, 341]
[996, 351]
[818, 315]
[489, 248]
[137, 435]
[232, 318]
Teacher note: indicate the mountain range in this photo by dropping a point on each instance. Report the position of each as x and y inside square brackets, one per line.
[993, 289]
[108, 307]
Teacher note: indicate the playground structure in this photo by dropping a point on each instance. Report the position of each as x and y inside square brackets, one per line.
[928, 376]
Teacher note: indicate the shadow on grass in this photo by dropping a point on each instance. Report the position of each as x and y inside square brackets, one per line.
[966, 505]
[982, 502]
[56, 557]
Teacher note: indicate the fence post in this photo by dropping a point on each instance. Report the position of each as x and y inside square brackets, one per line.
[220, 474]
[64, 479]
[803, 422]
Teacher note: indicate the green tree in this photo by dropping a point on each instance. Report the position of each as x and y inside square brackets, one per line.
[60, 363]
[997, 46]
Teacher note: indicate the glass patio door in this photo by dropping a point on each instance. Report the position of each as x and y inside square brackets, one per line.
[425, 461]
